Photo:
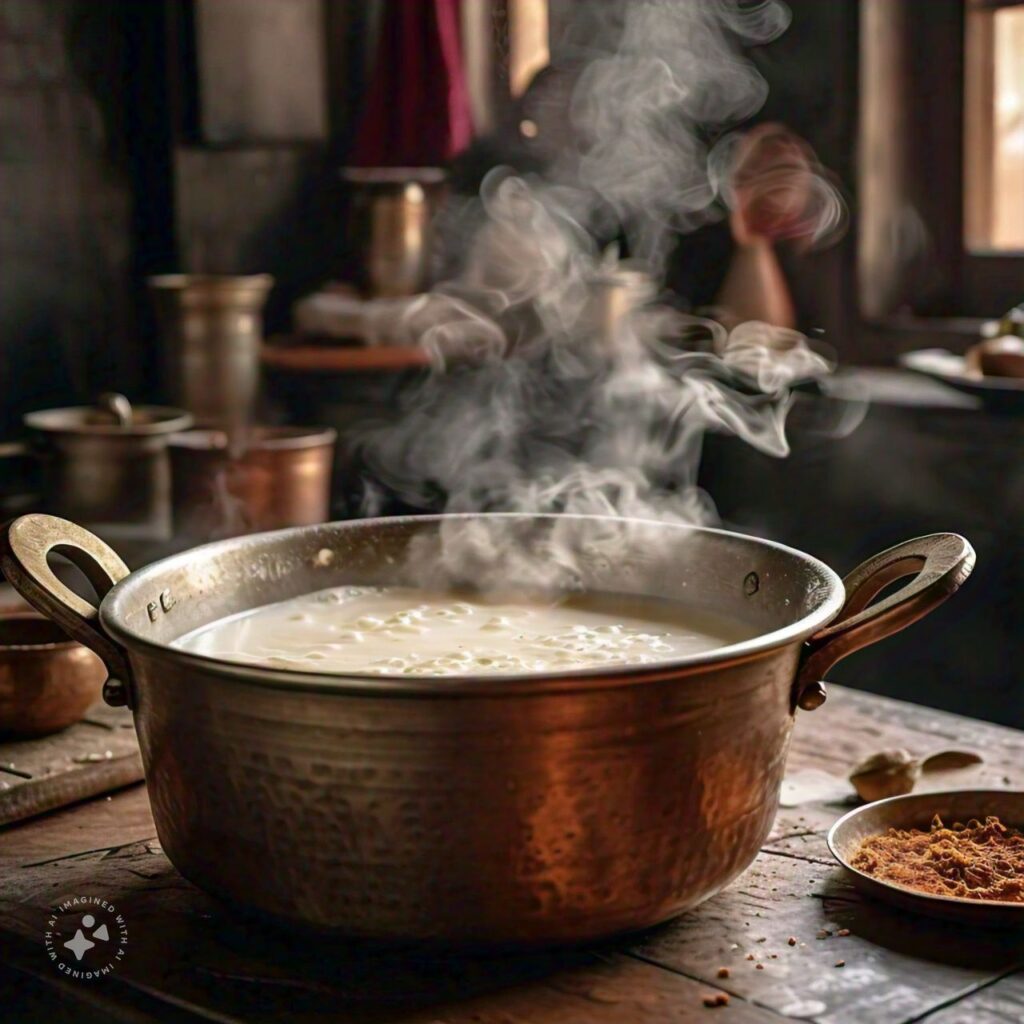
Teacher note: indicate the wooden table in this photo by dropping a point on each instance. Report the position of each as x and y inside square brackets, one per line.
[191, 959]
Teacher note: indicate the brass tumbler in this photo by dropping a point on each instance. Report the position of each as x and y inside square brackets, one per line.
[393, 208]
[212, 329]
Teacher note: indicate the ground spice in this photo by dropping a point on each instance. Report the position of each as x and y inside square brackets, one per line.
[974, 861]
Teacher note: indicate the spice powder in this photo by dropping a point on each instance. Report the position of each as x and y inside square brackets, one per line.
[973, 861]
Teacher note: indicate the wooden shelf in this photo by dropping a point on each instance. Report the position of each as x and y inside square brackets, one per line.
[319, 358]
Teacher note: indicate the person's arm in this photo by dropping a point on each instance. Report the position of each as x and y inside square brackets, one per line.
[755, 287]
[772, 187]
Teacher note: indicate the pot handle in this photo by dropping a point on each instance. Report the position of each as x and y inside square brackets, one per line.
[25, 543]
[939, 563]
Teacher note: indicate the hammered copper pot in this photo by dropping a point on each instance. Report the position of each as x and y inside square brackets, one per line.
[525, 810]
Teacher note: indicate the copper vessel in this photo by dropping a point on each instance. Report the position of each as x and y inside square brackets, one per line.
[528, 809]
[265, 478]
[47, 680]
[212, 329]
[391, 226]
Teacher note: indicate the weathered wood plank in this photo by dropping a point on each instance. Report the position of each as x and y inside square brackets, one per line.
[123, 817]
[193, 951]
[93, 756]
[895, 967]
[851, 725]
[1001, 1003]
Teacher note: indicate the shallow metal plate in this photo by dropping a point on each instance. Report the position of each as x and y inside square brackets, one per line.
[999, 394]
[916, 810]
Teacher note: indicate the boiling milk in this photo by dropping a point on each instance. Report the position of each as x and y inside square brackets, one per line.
[399, 631]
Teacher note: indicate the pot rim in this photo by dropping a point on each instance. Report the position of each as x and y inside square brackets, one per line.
[42, 647]
[73, 420]
[206, 440]
[520, 684]
[219, 283]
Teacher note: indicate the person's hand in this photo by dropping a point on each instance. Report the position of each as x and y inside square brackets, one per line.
[773, 187]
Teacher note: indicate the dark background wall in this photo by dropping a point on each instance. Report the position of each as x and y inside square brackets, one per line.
[128, 147]
[66, 309]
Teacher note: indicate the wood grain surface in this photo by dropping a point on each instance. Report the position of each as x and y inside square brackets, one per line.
[94, 756]
[191, 958]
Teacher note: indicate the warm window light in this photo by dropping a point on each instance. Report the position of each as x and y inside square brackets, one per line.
[994, 129]
[527, 42]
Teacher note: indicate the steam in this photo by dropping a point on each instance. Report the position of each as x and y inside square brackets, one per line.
[558, 385]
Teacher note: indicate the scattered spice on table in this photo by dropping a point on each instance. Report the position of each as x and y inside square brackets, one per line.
[840, 963]
[982, 861]
[759, 967]
[723, 972]
[718, 999]
[792, 940]
[843, 932]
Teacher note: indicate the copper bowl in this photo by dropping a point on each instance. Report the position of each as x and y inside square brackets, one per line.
[47, 680]
[532, 809]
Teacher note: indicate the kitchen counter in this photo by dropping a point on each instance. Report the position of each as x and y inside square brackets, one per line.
[189, 958]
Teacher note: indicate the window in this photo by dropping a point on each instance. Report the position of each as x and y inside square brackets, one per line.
[994, 128]
[940, 160]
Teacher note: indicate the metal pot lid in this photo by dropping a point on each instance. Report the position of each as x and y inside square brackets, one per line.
[112, 415]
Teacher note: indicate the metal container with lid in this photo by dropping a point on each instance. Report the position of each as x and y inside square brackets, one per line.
[106, 465]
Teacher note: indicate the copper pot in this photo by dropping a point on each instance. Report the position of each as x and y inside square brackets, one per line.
[497, 809]
[47, 680]
[263, 479]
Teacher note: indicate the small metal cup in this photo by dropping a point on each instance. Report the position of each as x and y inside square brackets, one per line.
[212, 329]
[391, 225]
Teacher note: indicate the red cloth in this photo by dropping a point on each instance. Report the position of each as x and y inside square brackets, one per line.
[416, 112]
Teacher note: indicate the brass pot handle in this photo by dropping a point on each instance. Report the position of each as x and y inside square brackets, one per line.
[939, 564]
[25, 543]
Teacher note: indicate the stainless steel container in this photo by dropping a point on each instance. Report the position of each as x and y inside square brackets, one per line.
[532, 809]
[212, 330]
[107, 467]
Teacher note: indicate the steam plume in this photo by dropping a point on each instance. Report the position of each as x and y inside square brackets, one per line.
[545, 397]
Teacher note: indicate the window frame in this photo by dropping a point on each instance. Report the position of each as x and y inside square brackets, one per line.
[912, 107]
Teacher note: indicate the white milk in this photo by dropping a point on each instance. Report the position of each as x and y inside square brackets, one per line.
[400, 631]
